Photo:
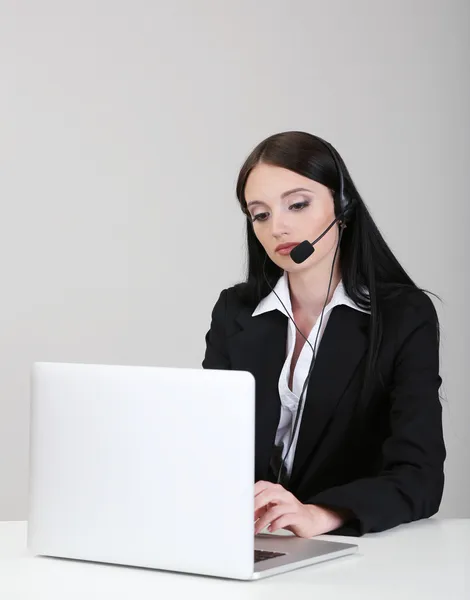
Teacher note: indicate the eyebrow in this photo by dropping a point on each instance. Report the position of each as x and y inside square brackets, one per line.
[283, 195]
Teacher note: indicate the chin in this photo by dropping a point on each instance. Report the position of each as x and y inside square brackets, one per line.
[294, 267]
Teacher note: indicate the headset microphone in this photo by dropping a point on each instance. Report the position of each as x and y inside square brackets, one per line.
[306, 248]
[346, 208]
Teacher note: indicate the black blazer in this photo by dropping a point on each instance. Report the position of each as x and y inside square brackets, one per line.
[381, 459]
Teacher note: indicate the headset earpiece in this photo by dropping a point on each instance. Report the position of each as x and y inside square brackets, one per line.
[346, 207]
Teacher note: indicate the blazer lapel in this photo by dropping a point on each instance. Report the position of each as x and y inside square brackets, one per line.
[260, 348]
[342, 347]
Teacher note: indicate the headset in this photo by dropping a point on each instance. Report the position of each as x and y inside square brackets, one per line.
[344, 211]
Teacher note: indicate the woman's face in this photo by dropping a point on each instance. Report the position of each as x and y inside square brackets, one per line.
[286, 207]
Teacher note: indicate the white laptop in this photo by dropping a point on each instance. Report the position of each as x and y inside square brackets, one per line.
[152, 467]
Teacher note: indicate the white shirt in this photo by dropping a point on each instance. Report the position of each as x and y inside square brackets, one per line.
[290, 399]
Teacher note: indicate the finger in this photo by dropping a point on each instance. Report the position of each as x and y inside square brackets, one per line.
[270, 516]
[261, 485]
[275, 495]
[260, 512]
[284, 521]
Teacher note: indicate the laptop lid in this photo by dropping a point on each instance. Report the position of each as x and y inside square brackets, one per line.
[145, 466]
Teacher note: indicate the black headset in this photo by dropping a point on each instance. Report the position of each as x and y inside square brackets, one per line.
[346, 204]
[344, 210]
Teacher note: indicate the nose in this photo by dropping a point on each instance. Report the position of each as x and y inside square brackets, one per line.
[279, 226]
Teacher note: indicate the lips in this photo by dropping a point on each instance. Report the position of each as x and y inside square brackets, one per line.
[285, 248]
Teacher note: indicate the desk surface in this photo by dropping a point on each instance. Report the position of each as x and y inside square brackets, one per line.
[428, 559]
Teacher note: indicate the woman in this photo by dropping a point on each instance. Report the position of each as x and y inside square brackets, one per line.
[344, 348]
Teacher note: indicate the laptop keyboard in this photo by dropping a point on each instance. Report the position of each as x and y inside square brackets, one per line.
[265, 554]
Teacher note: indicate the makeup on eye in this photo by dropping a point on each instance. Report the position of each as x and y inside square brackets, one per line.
[296, 207]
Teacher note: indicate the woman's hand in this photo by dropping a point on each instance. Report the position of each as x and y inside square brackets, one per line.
[278, 508]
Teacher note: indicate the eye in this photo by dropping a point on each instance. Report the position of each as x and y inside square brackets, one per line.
[299, 206]
[259, 217]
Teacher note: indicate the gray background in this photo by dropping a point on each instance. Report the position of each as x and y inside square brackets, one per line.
[123, 126]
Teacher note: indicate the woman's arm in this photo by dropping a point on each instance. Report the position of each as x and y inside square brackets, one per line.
[410, 483]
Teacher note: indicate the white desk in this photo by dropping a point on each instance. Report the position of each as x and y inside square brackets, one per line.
[425, 560]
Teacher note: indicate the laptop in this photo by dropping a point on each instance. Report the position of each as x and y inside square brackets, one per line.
[152, 467]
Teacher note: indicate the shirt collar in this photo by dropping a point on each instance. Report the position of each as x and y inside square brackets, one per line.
[271, 301]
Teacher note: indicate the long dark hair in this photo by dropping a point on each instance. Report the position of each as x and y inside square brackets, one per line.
[370, 272]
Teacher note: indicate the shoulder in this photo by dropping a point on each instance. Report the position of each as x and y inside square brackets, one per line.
[408, 303]
[240, 296]
[407, 310]
[232, 302]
